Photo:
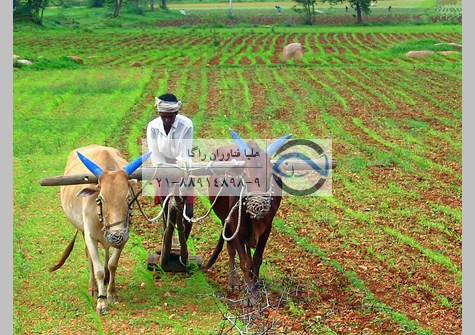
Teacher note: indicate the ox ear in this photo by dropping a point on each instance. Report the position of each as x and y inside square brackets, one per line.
[88, 192]
[91, 166]
[277, 144]
[134, 165]
[239, 141]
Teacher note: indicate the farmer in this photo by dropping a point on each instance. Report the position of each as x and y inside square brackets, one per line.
[279, 8]
[169, 138]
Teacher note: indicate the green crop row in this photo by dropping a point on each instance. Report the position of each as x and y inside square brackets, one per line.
[234, 47]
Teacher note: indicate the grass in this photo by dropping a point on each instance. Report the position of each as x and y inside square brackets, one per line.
[437, 257]
[94, 101]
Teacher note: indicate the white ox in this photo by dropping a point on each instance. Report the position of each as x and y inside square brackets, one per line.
[101, 212]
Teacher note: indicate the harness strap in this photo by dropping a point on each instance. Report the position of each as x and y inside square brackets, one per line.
[107, 225]
[135, 196]
[127, 220]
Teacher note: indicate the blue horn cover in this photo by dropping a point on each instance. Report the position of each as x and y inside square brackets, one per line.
[274, 146]
[134, 165]
[239, 141]
[93, 167]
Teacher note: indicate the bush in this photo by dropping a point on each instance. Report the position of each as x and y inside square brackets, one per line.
[65, 20]
[43, 63]
[95, 3]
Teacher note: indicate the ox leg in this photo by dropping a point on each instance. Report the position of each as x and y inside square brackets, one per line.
[112, 265]
[232, 280]
[92, 280]
[106, 261]
[257, 258]
[244, 261]
[99, 274]
[251, 266]
[245, 264]
[92, 288]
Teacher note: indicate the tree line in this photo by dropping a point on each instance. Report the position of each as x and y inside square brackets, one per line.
[308, 7]
[32, 10]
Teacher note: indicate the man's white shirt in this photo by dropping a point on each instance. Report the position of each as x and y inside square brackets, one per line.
[177, 144]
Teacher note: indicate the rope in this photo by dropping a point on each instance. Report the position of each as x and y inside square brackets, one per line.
[228, 219]
[187, 169]
[196, 220]
[159, 214]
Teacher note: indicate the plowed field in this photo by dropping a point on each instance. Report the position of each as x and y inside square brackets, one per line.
[382, 255]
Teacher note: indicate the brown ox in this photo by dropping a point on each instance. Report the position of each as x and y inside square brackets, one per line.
[101, 212]
[246, 207]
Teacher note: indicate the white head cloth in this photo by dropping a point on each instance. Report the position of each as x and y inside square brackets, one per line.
[167, 106]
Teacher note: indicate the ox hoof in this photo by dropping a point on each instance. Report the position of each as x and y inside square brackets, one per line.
[102, 310]
[101, 307]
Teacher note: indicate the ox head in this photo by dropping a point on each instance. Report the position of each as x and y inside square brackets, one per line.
[114, 192]
[258, 173]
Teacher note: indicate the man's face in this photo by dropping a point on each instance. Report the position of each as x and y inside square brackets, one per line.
[168, 118]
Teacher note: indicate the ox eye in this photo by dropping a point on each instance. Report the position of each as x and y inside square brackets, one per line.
[296, 155]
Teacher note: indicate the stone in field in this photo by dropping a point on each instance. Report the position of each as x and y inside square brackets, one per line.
[452, 44]
[292, 51]
[136, 64]
[449, 52]
[420, 53]
[76, 59]
[25, 61]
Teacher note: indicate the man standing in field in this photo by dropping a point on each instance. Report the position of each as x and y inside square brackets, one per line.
[169, 138]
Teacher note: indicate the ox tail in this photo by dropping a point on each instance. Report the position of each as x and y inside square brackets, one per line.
[215, 254]
[66, 254]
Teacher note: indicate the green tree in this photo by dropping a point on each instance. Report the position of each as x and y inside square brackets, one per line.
[360, 6]
[117, 7]
[308, 7]
[30, 10]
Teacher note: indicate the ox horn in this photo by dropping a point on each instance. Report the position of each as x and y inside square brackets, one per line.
[239, 141]
[274, 146]
[93, 167]
[134, 165]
